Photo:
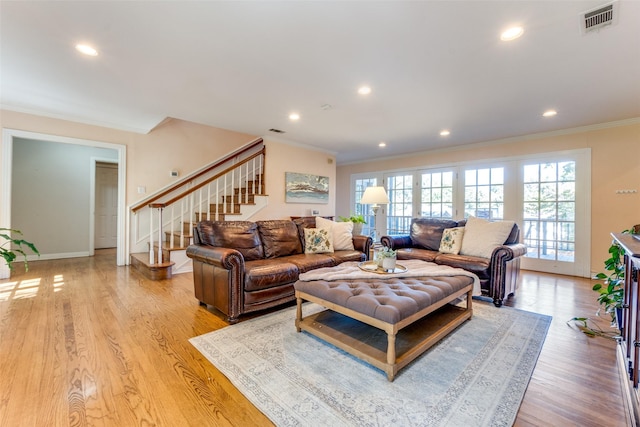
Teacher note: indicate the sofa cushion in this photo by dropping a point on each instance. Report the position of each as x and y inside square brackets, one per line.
[317, 241]
[240, 235]
[427, 232]
[279, 238]
[267, 273]
[307, 262]
[480, 266]
[481, 237]
[341, 233]
[416, 253]
[451, 240]
[344, 256]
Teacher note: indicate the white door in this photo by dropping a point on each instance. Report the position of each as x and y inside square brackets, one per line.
[106, 220]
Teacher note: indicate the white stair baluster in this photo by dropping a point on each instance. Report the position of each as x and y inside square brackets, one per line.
[172, 219]
[151, 253]
[209, 202]
[182, 220]
[160, 235]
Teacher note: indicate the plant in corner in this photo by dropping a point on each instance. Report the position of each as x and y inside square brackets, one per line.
[610, 293]
[11, 247]
[357, 221]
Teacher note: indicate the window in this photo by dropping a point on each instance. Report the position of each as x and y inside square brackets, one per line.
[364, 210]
[550, 210]
[547, 194]
[400, 210]
[484, 193]
[436, 194]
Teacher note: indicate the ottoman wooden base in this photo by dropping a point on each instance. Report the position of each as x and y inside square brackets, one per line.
[364, 336]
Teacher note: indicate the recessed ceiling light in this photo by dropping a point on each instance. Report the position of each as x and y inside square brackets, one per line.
[549, 113]
[86, 49]
[364, 90]
[511, 34]
[294, 116]
[382, 144]
[445, 133]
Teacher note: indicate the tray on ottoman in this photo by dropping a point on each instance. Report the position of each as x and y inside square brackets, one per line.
[412, 314]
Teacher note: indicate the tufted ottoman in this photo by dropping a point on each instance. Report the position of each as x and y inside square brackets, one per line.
[412, 313]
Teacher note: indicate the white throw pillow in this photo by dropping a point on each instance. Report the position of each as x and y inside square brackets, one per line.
[317, 241]
[481, 237]
[451, 241]
[341, 232]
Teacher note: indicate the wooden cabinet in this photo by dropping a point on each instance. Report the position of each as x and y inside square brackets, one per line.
[629, 344]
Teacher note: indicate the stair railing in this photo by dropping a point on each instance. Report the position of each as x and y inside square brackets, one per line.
[222, 186]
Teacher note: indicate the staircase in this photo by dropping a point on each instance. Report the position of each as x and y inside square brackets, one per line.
[230, 189]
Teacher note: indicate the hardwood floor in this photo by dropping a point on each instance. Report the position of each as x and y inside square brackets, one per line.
[83, 342]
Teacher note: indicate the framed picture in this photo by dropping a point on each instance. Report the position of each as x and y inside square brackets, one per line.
[306, 188]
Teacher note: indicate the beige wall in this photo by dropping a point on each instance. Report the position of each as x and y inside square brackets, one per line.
[284, 157]
[615, 150]
[174, 145]
[186, 147]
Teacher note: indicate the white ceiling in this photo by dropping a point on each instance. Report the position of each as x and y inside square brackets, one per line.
[245, 66]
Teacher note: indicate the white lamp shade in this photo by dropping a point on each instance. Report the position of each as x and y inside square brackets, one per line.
[374, 196]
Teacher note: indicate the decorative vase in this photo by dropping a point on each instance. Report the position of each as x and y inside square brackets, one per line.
[389, 264]
[357, 229]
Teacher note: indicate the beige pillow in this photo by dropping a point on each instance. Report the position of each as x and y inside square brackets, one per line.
[317, 241]
[451, 240]
[481, 237]
[341, 233]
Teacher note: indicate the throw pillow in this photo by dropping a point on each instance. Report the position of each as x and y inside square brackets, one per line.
[451, 240]
[481, 237]
[341, 233]
[317, 241]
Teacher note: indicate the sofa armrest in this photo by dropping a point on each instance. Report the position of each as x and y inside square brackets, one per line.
[396, 242]
[508, 252]
[226, 258]
[362, 244]
[218, 278]
[505, 269]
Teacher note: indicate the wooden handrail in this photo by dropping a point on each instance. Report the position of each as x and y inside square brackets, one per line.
[203, 183]
[136, 207]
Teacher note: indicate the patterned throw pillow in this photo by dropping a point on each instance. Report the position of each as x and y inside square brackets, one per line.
[317, 241]
[451, 240]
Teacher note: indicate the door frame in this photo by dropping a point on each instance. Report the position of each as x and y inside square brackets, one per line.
[92, 199]
[6, 143]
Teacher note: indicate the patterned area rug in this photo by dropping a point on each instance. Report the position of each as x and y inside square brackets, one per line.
[477, 376]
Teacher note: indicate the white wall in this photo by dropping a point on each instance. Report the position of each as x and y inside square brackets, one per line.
[51, 194]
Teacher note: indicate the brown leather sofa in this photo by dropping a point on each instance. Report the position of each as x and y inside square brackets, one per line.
[241, 267]
[498, 274]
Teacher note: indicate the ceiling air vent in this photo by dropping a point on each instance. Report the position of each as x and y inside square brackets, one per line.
[276, 130]
[602, 16]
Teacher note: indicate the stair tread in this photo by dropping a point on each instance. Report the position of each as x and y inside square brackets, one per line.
[143, 258]
[166, 246]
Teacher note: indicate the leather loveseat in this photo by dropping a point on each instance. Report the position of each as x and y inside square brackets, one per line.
[498, 269]
[241, 267]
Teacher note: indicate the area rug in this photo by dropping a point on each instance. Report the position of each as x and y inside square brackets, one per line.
[477, 376]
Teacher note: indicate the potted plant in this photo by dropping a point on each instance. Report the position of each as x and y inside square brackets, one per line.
[11, 247]
[611, 290]
[357, 221]
[610, 293]
[387, 259]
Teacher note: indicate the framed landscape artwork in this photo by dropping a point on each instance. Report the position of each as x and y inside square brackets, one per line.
[306, 188]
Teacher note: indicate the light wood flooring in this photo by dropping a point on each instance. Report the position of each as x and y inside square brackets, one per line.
[83, 342]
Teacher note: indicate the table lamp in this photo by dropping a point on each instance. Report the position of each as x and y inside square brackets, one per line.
[374, 196]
